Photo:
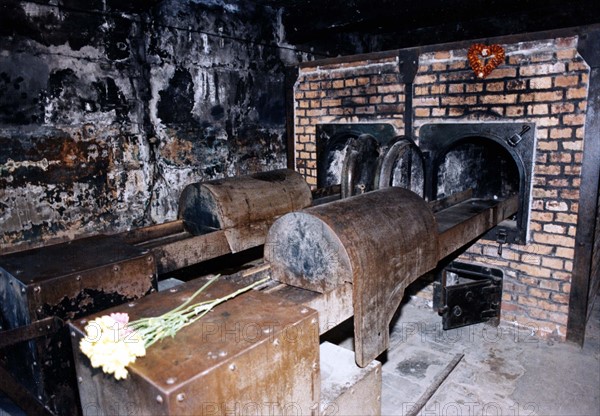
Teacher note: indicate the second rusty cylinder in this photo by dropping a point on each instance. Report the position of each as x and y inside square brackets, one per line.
[389, 234]
[243, 200]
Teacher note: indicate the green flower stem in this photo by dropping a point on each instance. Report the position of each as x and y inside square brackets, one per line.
[154, 329]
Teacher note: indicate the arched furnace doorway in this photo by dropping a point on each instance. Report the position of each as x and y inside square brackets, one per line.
[495, 160]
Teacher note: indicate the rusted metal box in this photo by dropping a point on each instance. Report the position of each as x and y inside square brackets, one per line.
[68, 281]
[254, 354]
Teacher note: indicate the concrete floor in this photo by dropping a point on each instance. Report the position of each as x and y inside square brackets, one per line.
[502, 372]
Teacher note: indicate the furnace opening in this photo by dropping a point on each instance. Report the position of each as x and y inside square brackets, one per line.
[360, 158]
[495, 160]
[478, 164]
[334, 141]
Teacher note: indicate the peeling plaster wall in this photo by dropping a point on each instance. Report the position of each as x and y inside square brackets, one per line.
[217, 97]
[72, 154]
[108, 110]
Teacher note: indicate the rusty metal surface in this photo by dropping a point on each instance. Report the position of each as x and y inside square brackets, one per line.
[334, 307]
[251, 352]
[46, 263]
[239, 201]
[67, 281]
[380, 242]
[222, 217]
[443, 203]
[190, 250]
[460, 224]
[248, 236]
[152, 232]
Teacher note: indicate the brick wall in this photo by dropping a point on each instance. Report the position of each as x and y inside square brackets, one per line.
[544, 82]
[355, 92]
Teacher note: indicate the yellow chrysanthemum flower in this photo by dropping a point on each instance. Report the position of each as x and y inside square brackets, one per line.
[112, 342]
[109, 345]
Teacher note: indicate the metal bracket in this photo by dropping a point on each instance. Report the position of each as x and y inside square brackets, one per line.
[43, 327]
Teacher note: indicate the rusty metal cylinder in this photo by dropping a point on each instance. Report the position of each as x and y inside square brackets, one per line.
[243, 200]
[389, 233]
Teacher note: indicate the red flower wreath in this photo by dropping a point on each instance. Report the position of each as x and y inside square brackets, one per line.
[496, 52]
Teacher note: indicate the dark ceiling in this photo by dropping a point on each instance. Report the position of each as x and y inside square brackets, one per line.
[390, 24]
[340, 27]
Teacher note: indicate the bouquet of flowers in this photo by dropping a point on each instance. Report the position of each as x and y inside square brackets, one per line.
[112, 342]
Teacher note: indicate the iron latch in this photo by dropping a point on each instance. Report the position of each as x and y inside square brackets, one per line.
[501, 238]
[516, 138]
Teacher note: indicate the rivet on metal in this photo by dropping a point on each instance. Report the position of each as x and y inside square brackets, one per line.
[80, 379]
[23, 290]
[83, 321]
[116, 268]
[276, 342]
[180, 397]
[222, 353]
[78, 278]
[73, 334]
[172, 290]
[304, 310]
[267, 330]
[315, 366]
[232, 367]
[171, 380]
[314, 321]
[149, 259]
[159, 399]
[131, 305]
[37, 289]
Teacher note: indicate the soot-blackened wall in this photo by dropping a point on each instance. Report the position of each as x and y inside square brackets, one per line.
[108, 110]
